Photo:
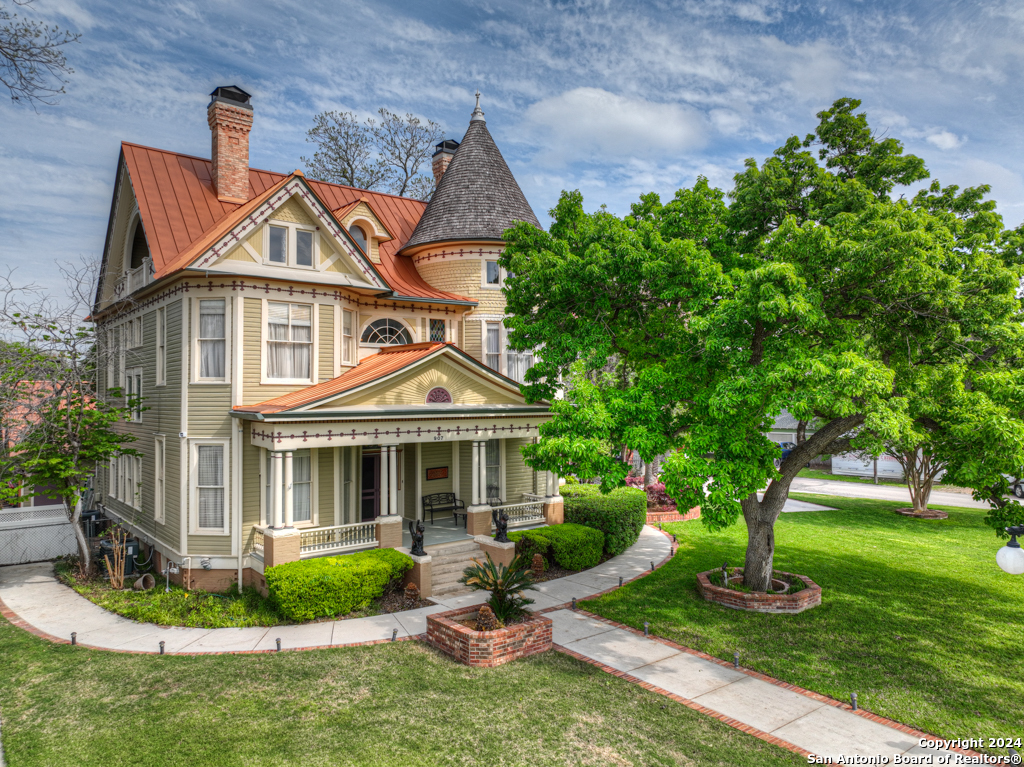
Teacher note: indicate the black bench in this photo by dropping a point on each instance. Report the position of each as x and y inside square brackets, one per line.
[438, 502]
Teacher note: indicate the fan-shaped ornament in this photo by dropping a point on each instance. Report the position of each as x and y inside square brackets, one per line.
[438, 395]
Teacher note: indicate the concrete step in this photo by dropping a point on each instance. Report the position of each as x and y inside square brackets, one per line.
[449, 589]
[450, 559]
[455, 547]
[437, 570]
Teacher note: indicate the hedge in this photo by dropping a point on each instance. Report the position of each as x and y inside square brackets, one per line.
[316, 588]
[620, 515]
[574, 547]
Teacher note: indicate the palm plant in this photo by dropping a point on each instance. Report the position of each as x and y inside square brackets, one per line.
[506, 585]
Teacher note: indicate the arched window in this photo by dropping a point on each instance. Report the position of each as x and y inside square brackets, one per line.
[386, 333]
[359, 236]
[140, 248]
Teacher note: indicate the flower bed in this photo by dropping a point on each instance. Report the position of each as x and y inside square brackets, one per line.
[487, 648]
[759, 601]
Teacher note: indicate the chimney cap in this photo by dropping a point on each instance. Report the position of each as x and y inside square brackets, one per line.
[232, 94]
[448, 146]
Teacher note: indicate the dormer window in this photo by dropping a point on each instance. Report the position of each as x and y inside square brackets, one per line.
[291, 245]
[359, 236]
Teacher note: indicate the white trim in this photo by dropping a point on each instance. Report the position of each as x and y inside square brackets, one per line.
[183, 458]
[418, 499]
[336, 459]
[134, 374]
[193, 524]
[159, 478]
[252, 252]
[339, 340]
[197, 357]
[484, 284]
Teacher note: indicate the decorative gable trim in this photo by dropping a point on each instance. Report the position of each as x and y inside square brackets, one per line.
[296, 186]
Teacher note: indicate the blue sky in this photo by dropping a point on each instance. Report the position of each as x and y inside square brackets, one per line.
[615, 99]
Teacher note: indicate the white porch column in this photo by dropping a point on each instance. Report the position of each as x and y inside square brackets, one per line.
[476, 474]
[384, 482]
[482, 468]
[419, 480]
[289, 497]
[392, 479]
[276, 490]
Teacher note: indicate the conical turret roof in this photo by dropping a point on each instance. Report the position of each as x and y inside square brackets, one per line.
[477, 199]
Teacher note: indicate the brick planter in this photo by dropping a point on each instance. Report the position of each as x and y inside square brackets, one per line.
[656, 514]
[487, 648]
[760, 602]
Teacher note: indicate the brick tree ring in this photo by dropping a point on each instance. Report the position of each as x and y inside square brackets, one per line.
[759, 601]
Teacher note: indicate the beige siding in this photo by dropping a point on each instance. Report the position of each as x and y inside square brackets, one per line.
[325, 491]
[255, 241]
[251, 341]
[471, 339]
[434, 455]
[463, 277]
[518, 476]
[206, 545]
[466, 472]
[293, 212]
[252, 479]
[326, 342]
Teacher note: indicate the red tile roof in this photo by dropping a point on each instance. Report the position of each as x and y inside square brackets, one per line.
[180, 211]
[389, 359]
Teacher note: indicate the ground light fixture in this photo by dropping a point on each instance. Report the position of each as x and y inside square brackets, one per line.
[1011, 557]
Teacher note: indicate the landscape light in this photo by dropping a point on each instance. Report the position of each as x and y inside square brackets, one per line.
[1011, 557]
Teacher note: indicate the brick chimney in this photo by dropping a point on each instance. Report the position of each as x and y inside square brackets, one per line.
[442, 157]
[230, 118]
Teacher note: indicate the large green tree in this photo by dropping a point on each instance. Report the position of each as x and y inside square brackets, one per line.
[816, 288]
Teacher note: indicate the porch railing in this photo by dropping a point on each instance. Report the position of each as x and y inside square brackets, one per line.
[522, 514]
[533, 497]
[257, 540]
[321, 540]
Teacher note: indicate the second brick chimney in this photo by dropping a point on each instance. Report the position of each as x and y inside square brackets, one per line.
[442, 157]
[230, 117]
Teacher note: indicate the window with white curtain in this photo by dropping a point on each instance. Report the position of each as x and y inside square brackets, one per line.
[289, 341]
[518, 363]
[161, 346]
[493, 468]
[113, 355]
[210, 487]
[493, 356]
[278, 244]
[136, 501]
[302, 485]
[113, 486]
[346, 336]
[212, 338]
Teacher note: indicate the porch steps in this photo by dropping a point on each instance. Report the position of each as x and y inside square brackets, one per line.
[448, 560]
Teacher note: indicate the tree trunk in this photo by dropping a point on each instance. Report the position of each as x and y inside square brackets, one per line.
[919, 473]
[76, 524]
[760, 517]
[649, 473]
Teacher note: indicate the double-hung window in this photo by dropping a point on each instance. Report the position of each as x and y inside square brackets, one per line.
[133, 393]
[493, 346]
[491, 275]
[289, 341]
[302, 484]
[161, 346]
[159, 477]
[291, 245]
[346, 336]
[209, 479]
[493, 452]
[212, 339]
[518, 363]
[113, 357]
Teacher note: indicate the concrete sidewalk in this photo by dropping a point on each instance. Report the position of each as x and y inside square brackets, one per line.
[39, 602]
[795, 719]
[880, 492]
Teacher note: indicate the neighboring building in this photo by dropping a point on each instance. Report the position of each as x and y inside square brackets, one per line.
[313, 358]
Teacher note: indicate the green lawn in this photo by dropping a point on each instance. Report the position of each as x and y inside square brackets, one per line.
[393, 704]
[916, 617]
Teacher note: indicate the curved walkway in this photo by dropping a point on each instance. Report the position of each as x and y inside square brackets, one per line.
[32, 598]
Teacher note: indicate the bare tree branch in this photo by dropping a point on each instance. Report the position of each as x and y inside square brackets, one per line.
[32, 64]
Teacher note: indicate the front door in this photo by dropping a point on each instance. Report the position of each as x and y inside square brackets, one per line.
[371, 487]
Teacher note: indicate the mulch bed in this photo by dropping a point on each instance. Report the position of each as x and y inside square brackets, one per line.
[926, 514]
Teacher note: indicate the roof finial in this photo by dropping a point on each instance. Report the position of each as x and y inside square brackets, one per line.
[478, 113]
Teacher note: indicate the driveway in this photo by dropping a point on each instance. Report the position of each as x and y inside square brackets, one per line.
[880, 492]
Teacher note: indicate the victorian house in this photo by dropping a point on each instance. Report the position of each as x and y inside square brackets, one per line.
[314, 360]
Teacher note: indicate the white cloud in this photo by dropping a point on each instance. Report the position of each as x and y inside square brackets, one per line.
[585, 122]
[945, 140]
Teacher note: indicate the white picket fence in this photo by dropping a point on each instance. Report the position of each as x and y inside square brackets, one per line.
[35, 534]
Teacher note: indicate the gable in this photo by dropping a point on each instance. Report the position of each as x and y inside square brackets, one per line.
[243, 248]
[466, 386]
[124, 222]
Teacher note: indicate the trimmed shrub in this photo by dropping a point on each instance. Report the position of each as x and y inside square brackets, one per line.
[575, 547]
[317, 588]
[531, 542]
[620, 515]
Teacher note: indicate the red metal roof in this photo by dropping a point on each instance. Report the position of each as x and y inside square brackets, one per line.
[179, 209]
[388, 360]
